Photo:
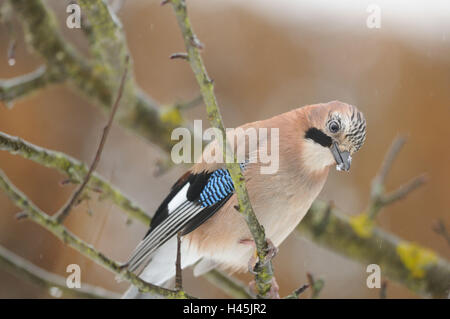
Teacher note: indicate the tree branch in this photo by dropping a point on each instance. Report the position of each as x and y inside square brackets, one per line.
[403, 190]
[264, 271]
[178, 269]
[23, 269]
[39, 217]
[21, 86]
[391, 155]
[297, 292]
[440, 229]
[378, 196]
[316, 285]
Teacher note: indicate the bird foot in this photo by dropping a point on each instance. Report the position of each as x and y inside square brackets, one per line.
[273, 292]
[271, 252]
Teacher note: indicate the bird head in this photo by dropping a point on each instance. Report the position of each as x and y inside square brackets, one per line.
[334, 132]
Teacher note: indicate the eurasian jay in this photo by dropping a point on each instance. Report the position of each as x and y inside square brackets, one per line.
[201, 203]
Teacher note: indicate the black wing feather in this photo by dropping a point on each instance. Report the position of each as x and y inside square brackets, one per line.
[203, 216]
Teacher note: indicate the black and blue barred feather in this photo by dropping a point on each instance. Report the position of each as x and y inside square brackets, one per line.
[219, 186]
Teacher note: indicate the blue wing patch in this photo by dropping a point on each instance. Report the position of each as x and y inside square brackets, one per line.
[218, 187]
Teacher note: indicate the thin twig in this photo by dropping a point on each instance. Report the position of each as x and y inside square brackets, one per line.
[19, 87]
[264, 273]
[378, 196]
[24, 269]
[62, 214]
[391, 155]
[297, 292]
[6, 18]
[440, 229]
[403, 190]
[12, 52]
[179, 55]
[316, 285]
[178, 270]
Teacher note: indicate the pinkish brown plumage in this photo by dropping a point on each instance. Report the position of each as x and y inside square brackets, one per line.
[311, 140]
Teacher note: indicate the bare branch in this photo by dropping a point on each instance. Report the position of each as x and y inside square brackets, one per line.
[296, 293]
[378, 196]
[264, 272]
[440, 229]
[403, 190]
[6, 18]
[391, 155]
[23, 269]
[316, 285]
[179, 55]
[21, 86]
[62, 214]
[178, 270]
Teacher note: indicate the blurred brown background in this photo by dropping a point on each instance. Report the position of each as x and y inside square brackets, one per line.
[265, 59]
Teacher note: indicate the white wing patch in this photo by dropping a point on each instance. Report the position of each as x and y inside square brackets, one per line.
[179, 199]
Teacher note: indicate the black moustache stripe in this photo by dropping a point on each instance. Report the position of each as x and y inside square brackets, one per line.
[318, 136]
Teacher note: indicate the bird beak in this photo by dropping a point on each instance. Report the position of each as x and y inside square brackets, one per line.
[343, 159]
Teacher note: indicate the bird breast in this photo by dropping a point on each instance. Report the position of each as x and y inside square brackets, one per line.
[280, 201]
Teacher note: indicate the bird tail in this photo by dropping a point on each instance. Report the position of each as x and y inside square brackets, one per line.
[160, 270]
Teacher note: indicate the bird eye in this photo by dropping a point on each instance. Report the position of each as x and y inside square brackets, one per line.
[334, 127]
